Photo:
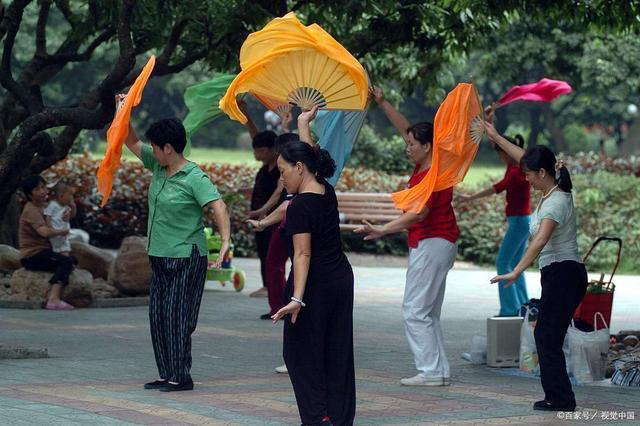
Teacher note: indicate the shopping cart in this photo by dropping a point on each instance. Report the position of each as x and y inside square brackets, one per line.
[599, 296]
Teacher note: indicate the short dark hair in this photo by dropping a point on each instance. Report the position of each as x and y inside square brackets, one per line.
[266, 139]
[30, 183]
[168, 131]
[422, 132]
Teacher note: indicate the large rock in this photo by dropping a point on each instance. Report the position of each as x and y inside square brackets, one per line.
[93, 259]
[34, 286]
[103, 290]
[9, 258]
[130, 271]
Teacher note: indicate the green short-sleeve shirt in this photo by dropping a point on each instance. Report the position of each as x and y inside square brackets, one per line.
[175, 208]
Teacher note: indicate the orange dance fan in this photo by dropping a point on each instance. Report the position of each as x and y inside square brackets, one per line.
[118, 132]
[457, 131]
[290, 63]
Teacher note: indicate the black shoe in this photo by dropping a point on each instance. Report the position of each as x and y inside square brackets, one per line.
[175, 387]
[547, 406]
[265, 317]
[156, 384]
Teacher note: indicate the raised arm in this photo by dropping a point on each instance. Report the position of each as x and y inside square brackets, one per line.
[250, 124]
[396, 118]
[513, 151]
[304, 125]
[133, 143]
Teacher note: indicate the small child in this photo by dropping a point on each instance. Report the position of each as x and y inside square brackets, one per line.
[57, 215]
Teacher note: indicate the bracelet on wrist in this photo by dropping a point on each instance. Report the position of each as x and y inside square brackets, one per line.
[295, 299]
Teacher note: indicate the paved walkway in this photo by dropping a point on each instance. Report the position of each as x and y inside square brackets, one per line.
[99, 359]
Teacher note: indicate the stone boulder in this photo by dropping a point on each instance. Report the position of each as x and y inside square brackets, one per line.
[101, 289]
[34, 286]
[93, 259]
[9, 258]
[130, 271]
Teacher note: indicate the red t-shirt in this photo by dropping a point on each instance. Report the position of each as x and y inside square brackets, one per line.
[518, 191]
[441, 219]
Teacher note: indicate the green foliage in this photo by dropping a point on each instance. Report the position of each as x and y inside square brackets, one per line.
[606, 204]
[377, 153]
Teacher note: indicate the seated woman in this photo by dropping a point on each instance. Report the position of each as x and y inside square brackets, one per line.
[35, 250]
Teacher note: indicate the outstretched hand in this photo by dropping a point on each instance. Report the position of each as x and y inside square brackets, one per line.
[510, 278]
[292, 308]
[372, 231]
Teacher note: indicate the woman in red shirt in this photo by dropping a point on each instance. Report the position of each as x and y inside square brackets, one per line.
[432, 250]
[514, 243]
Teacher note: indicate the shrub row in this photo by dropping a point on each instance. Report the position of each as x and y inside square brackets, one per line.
[607, 203]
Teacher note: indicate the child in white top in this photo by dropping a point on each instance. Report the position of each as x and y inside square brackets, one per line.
[57, 214]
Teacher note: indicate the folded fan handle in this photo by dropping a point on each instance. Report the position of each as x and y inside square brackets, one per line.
[600, 239]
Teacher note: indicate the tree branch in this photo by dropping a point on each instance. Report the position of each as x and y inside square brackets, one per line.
[84, 56]
[41, 28]
[59, 150]
[172, 41]
[11, 21]
[68, 14]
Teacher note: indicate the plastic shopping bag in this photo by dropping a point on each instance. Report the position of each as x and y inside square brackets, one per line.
[528, 351]
[588, 352]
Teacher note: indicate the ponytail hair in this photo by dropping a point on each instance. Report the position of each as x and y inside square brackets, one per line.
[317, 160]
[540, 157]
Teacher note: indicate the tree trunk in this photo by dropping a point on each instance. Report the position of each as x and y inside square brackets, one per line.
[631, 144]
[536, 126]
[558, 142]
[9, 217]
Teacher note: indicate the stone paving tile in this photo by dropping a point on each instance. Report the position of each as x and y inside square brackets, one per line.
[101, 357]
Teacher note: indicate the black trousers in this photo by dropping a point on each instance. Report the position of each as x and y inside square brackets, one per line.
[50, 261]
[318, 352]
[262, 243]
[563, 287]
[174, 304]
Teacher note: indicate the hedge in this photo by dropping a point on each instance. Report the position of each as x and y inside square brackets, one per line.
[608, 203]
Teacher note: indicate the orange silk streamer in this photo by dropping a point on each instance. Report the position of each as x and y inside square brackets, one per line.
[453, 148]
[118, 132]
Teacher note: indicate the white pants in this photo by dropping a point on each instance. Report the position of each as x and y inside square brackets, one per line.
[429, 264]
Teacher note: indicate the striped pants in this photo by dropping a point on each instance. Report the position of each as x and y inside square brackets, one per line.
[174, 303]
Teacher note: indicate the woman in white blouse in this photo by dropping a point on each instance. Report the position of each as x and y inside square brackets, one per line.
[563, 275]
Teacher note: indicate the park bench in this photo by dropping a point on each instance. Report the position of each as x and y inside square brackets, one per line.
[354, 207]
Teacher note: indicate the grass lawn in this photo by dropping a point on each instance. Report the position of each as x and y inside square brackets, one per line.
[479, 174]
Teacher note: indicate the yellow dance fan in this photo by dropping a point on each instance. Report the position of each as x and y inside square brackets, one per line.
[290, 63]
[280, 108]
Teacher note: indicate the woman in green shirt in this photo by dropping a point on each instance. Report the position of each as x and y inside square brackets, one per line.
[177, 247]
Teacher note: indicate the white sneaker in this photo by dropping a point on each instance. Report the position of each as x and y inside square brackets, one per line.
[419, 380]
[282, 369]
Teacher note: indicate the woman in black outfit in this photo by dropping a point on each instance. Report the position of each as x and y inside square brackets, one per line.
[318, 329]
